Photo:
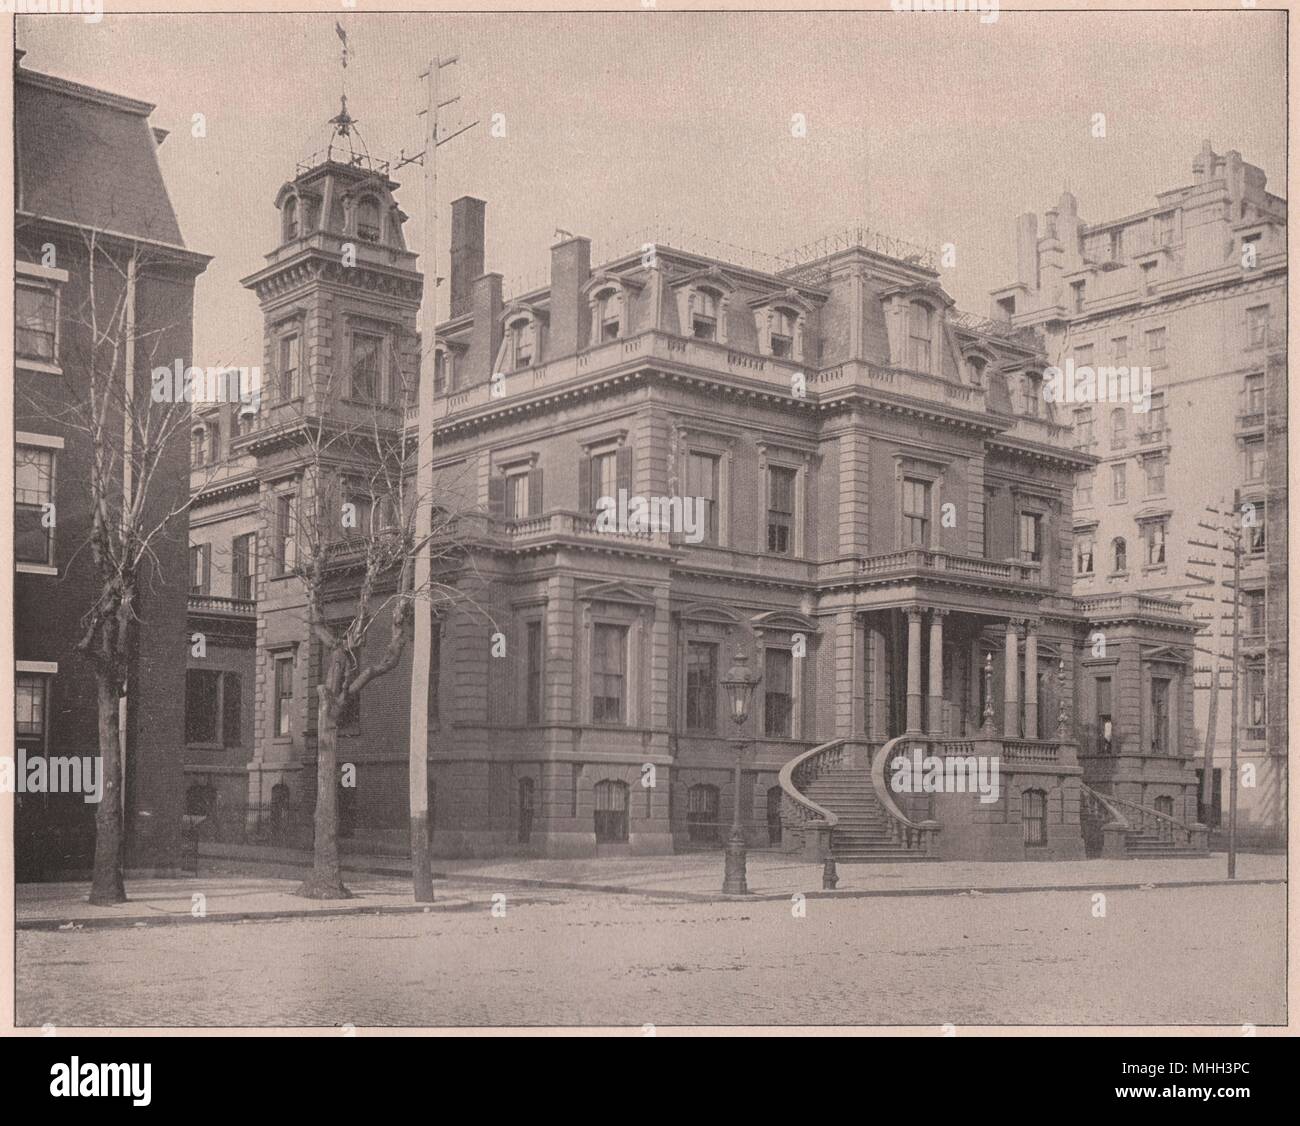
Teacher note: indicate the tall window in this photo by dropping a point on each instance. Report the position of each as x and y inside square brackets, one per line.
[33, 491]
[611, 811]
[1255, 537]
[1085, 545]
[199, 446]
[1105, 717]
[367, 361]
[1118, 428]
[1084, 433]
[920, 333]
[1257, 326]
[36, 319]
[702, 823]
[702, 483]
[778, 693]
[533, 674]
[975, 369]
[1033, 816]
[243, 566]
[1160, 715]
[1119, 482]
[704, 315]
[31, 697]
[1254, 600]
[521, 351]
[1033, 395]
[282, 718]
[290, 218]
[527, 809]
[1119, 556]
[1256, 703]
[783, 325]
[517, 495]
[780, 509]
[1031, 537]
[1155, 538]
[604, 476]
[701, 686]
[916, 512]
[1254, 450]
[200, 568]
[1254, 393]
[213, 707]
[286, 540]
[608, 673]
[609, 314]
[1077, 295]
[1083, 489]
[1155, 339]
[1154, 468]
[1163, 228]
[289, 365]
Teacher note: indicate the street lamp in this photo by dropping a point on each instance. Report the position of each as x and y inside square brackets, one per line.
[739, 681]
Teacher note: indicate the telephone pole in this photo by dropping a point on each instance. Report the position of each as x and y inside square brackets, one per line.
[421, 872]
[1234, 534]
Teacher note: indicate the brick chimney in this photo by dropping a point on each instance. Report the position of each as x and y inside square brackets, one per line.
[467, 226]
[485, 337]
[570, 271]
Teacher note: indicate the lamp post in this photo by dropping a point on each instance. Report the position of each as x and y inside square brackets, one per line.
[739, 681]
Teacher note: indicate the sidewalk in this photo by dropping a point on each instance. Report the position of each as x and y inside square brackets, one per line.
[253, 882]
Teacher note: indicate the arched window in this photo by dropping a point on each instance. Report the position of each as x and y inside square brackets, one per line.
[521, 338]
[290, 218]
[198, 446]
[368, 219]
[527, 807]
[920, 330]
[704, 314]
[1118, 428]
[1033, 815]
[975, 368]
[607, 315]
[611, 811]
[702, 814]
[775, 801]
[1119, 555]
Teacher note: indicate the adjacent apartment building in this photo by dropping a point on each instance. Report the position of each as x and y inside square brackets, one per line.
[90, 199]
[1193, 289]
[886, 535]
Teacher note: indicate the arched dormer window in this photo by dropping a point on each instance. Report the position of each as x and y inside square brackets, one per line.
[920, 337]
[779, 321]
[289, 217]
[703, 303]
[1118, 555]
[608, 315]
[368, 219]
[976, 366]
[521, 344]
[199, 446]
[705, 308]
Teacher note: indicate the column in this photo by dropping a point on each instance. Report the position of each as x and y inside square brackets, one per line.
[879, 691]
[1031, 679]
[1011, 682]
[936, 671]
[914, 670]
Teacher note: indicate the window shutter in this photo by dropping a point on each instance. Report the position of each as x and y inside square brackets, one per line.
[535, 492]
[584, 484]
[624, 465]
[231, 710]
[497, 497]
[205, 553]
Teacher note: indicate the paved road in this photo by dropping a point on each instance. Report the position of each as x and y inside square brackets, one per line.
[1203, 955]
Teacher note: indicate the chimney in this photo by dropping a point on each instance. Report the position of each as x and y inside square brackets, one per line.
[485, 337]
[1027, 249]
[467, 215]
[570, 271]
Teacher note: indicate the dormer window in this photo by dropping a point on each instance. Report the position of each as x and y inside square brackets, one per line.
[783, 323]
[290, 218]
[704, 314]
[368, 220]
[920, 329]
[975, 368]
[607, 315]
[198, 446]
[520, 342]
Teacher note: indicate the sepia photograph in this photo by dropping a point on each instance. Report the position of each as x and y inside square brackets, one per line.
[648, 520]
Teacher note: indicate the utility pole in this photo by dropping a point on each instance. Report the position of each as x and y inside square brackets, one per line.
[421, 871]
[1234, 534]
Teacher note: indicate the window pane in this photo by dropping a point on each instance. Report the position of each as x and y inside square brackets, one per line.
[701, 686]
[35, 311]
[778, 672]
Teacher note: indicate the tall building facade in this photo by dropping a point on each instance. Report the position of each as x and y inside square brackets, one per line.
[1193, 289]
[884, 534]
[88, 183]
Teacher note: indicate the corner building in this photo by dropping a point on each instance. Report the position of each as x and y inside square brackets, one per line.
[887, 537]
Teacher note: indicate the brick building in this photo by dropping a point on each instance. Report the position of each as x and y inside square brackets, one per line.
[887, 535]
[88, 176]
[1195, 289]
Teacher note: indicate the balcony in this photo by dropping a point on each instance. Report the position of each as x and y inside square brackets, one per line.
[224, 607]
[920, 563]
[1112, 606]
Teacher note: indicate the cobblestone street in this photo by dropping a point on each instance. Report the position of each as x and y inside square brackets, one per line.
[1182, 955]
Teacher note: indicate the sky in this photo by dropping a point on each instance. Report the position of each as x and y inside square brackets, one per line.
[934, 127]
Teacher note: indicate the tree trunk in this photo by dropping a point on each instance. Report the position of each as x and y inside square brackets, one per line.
[106, 885]
[326, 880]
